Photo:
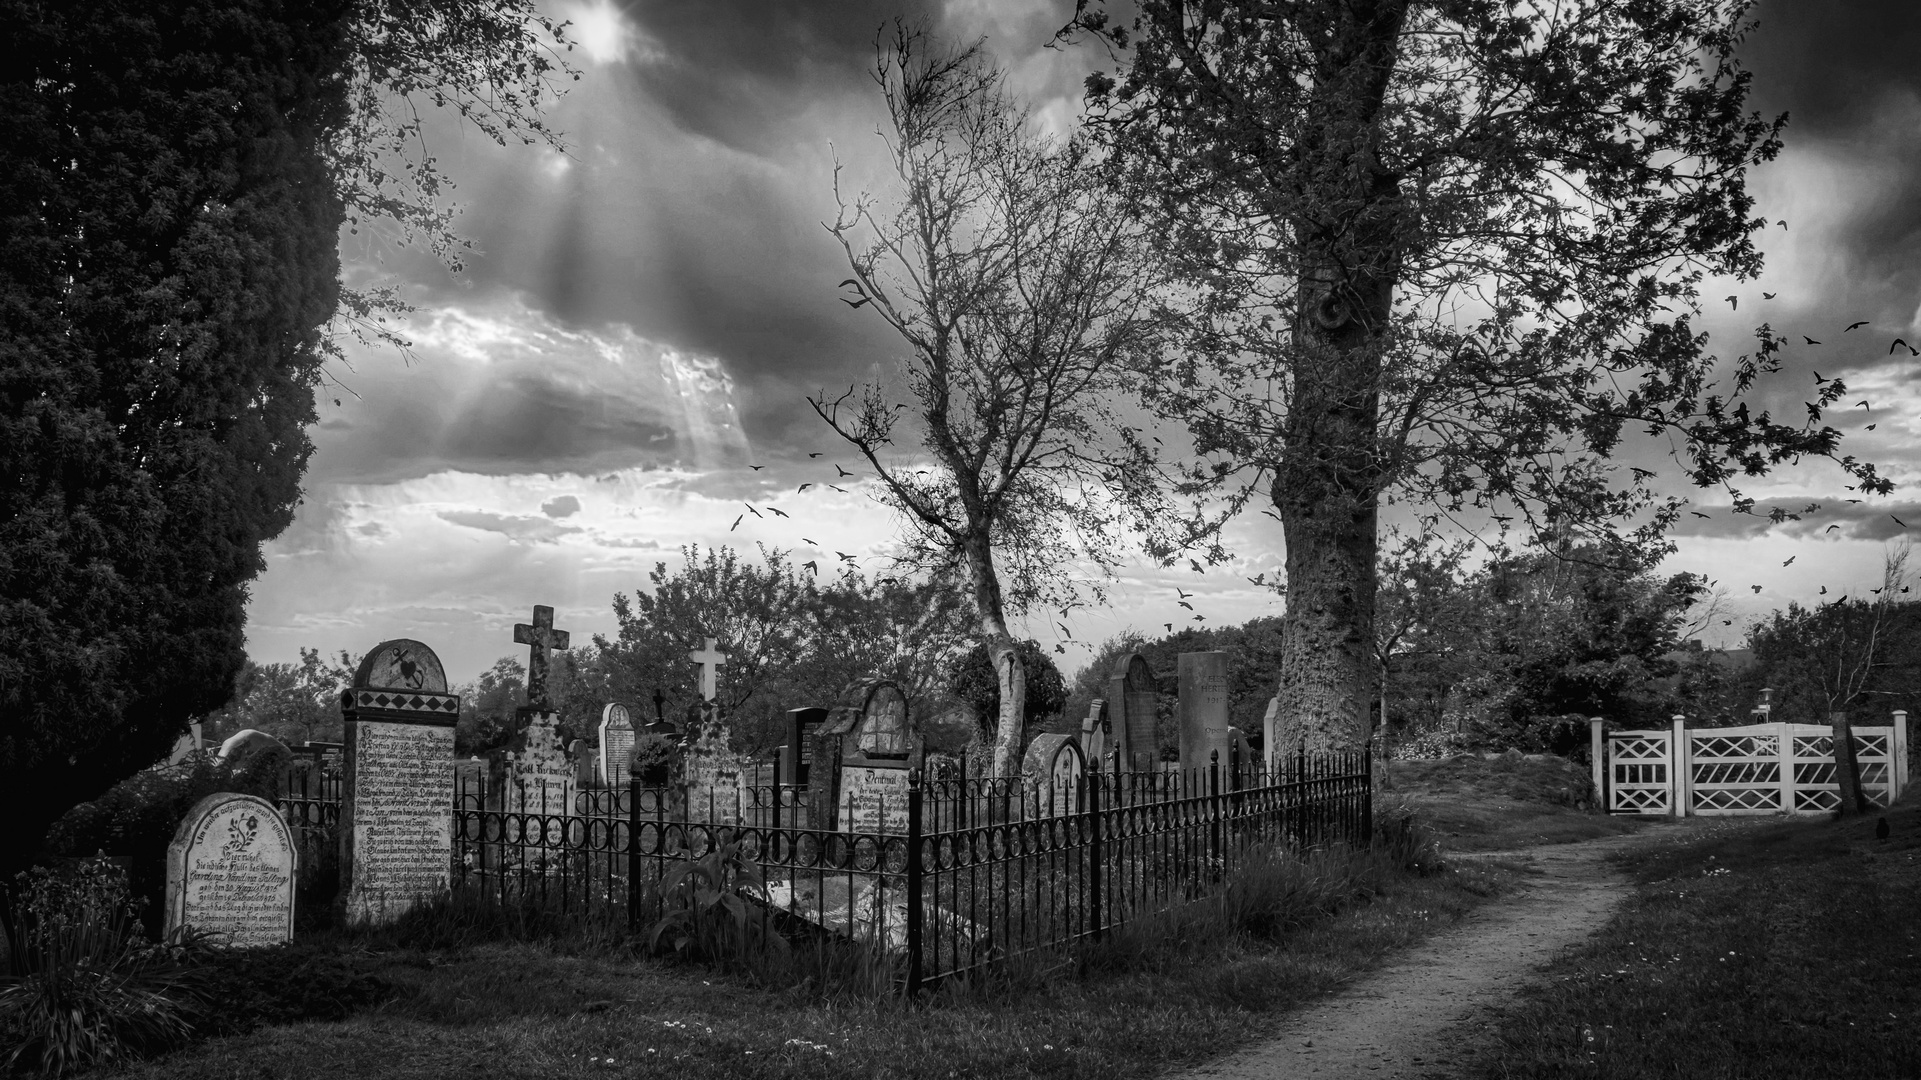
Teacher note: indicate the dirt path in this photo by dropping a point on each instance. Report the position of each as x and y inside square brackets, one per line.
[1398, 1021]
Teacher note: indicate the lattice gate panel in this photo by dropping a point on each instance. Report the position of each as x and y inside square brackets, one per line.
[1734, 771]
[1638, 778]
[1815, 789]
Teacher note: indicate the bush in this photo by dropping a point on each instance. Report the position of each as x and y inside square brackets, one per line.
[1405, 843]
[136, 819]
[86, 986]
[707, 916]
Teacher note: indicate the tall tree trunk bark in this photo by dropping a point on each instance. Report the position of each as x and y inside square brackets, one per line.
[1327, 485]
[1847, 768]
[1008, 667]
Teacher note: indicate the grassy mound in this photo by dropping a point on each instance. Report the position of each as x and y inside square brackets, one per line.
[1504, 801]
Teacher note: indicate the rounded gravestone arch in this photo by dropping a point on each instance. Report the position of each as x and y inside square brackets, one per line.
[230, 871]
[401, 664]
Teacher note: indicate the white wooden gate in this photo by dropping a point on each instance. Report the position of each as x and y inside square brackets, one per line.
[1758, 769]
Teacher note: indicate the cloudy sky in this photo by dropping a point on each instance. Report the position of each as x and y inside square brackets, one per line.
[650, 309]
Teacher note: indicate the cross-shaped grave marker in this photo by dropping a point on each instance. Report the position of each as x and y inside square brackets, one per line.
[541, 636]
[710, 658]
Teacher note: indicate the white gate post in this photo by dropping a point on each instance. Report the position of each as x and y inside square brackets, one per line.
[1679, 787]
[1898, 768]
[1596, 746]
[1786, 740]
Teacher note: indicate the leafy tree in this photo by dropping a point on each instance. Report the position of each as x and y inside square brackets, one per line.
[173, 178]
[489, 708]
[1448, 252]
[1423, 612]
[976, 683]
[1019, 288]
[295, 703]
[790, 641]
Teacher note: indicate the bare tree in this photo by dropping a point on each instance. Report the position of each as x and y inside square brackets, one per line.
[1022, 292]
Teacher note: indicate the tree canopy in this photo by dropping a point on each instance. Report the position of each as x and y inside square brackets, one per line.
[173, 178]
[1446, 251]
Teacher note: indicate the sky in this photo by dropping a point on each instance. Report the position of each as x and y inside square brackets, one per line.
[646, 314]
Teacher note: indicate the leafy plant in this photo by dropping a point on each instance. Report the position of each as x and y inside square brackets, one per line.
[86, 985]
[706, 911]
[653, 759]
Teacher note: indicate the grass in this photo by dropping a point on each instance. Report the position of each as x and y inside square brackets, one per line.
[1166, 994]
[1758, 949]
[1507, 801]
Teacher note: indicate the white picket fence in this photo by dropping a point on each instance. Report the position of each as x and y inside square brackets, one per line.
[1759, 769]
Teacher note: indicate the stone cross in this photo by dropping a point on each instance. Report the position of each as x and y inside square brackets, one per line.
[710, 658]
[540, 637]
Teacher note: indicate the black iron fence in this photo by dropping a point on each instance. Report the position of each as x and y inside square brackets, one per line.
[984, 870]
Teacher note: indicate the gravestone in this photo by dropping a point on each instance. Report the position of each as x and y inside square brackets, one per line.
[616, 743]
[396, 815]
[586, 761]
[1095, 734]
[1271, 736]
[541, 776]
[798, 754]
[1203, 708]
[1053, 769]
[1132, 698]
[230, 872]
[255, 752]
[715, 777]
[861, 759]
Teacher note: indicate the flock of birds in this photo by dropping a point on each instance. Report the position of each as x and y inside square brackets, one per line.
[1260, 580]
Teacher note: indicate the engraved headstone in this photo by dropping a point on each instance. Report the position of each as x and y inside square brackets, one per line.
[396, 817]
[616, 743]
[715, 777]
[541, 775]
[1095, 734]
[230, 872]
[1271, 735]
[861, 759]
[1203, 705]
[255, 752]
[1133, 697]
[1053, 768]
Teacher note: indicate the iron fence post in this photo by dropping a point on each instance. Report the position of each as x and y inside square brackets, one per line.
[1094, 851]
[913, 883]
[633, 853]
[1214, 802]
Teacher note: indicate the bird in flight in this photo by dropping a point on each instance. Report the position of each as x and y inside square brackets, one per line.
[736, 523]
[1791, 558]
[810, 540]
[838, 488]
[1064, 629]
[1831, 528]
[1200, 618]
[1756, 588]
[1698, 513]
[844, 557]
[1809, 340]
[1863, 403]
[751, 510]
[757, 468]
[777, 510]
[1767, 296]
[840, 470]
[1901, 344]
[802, 488]
[814, 455]
[1870, 427]
[1898, 521]
[1196, 566]
[1185, 604]
[1824, 590]
[1183, 595]
[812, 565]
[1259, 579]
[1783, 223]
[1818, 380]
[1852, 325]
[1734, 302]
[1170, 626]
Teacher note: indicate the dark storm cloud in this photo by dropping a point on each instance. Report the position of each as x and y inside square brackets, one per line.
[1832, 519]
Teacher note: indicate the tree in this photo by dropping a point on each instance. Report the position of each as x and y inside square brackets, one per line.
[1019, 288]
[173, 178]
[790, 642]
[489, 708]
[976, 681]
[295, 703]
[1448, 252]
[1826, 659]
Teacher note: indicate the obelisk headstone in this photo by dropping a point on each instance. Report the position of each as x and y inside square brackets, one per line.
[616, 743]
[1203, 705]
[396, 814]
[1134, 693]
[230, 872]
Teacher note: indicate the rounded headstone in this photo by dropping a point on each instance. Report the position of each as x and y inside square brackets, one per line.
[401, 664]
[230, 871]
[253, 751]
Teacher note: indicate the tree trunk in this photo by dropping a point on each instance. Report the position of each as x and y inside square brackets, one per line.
[1008, 667]
[1847, 770]
[1327, 485]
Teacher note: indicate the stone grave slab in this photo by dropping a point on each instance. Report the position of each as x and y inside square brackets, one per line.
[1133, 696]
[396, 818]
[616, 744]
[1203, 709]
[1053, 768]
[230, 872]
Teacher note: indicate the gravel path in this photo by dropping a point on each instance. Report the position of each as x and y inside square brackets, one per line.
[1398, 1021]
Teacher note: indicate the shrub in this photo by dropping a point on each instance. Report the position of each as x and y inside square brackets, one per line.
[707, 916]
[136, 819]
[86, 986]
[1407, 844]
